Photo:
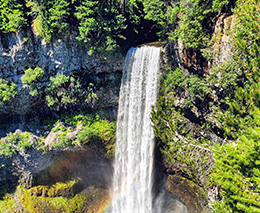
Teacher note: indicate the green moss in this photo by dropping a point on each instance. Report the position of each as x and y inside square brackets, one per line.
[56, 198]
[7, 204]
[194, 196]
[92, 129]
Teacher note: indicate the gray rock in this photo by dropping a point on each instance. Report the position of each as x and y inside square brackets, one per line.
[20, 51]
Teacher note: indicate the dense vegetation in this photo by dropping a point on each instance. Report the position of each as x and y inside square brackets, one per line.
[233, 114]
[59, 197]
[103, 25]
[7, 90]
[224, 102]
[90, 128]
[62, 91]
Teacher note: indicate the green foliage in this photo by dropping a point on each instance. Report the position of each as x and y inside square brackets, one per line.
[103, 25]
[246, 38]
[237, 170]
[59, 198]
[7, 90]
[91, 128]
[32, 75]
[24, 141]
[237, 163]
[74, 119]
[226, 77]
[197, 87]
[173, 80]
[62, 91]
[184, 155]
[194, 28]
[177, 81]
[63, 140]
[12, 137]
[65, 91]
[7, 149]
[100, 24]
[15, 142]
[57, 128]
[191, 159]
[217, 5]
[166, 120]
[58, 14]
[164, 13]
[12, 15]
[8, 203]
[32, 78]
[241, 109]
[190, 21]
[50, 17]
[96, 128]
[56, 198]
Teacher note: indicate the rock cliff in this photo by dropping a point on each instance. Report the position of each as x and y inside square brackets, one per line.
[23, 50]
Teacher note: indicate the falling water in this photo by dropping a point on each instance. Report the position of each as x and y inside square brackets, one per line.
[133, 166]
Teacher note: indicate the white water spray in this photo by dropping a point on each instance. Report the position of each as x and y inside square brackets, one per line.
[132, 183]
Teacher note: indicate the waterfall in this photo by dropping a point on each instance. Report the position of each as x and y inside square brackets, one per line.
[132, 183]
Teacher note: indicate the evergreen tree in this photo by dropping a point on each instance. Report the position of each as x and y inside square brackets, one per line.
[100, 24]
[12, 16]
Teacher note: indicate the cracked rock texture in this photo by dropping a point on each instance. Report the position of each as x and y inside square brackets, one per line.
[20, 51]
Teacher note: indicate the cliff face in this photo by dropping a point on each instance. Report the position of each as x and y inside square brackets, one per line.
[19, 51]
[189, 121]
[23, 50]
[24, 114]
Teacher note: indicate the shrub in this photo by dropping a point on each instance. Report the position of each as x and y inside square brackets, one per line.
[63, 140]
[12, 16]
[7, 90]
[32, 75]
[97, 128]
[12, 137]
[173, 80]
[197, 87]
[226, 77]
[8, 203]
[32, 78]
[65, 91]
[61, 91]
[237, 172]
[13, 142]
[7, 149]
[24, 141]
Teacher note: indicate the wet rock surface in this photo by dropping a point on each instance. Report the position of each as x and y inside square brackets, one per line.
[193, 196]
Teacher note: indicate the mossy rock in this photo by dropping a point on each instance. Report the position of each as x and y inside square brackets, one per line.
[193, 196]
[57, 190]
[57, 198]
